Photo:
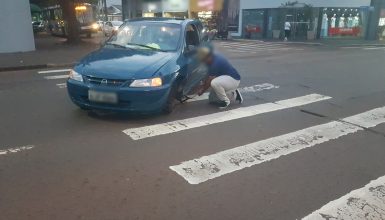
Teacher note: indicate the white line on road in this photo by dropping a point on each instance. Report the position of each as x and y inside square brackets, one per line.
[254, 46]
[250, 89]
[367, 202]
[249, 44]
[209, 167]
[205, 120]
[16, 149]
[62, 85]
[374, 48]
[54, 71]
[262, 50]
[56, 77]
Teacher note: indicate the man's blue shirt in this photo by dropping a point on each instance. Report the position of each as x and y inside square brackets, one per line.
[220, 67]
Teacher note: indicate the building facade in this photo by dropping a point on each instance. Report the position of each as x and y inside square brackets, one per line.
[310, 19]
[17, 33]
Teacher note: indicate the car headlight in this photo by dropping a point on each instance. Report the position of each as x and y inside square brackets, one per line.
[154, 82]
[75, 76]
[95, 26]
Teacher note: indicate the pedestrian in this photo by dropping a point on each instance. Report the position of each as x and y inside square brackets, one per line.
[223, 79]
[287, 30]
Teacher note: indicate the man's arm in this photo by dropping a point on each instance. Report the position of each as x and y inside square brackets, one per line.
[206, 85]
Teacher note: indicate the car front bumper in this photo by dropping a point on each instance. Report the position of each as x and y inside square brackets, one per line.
[138, 100]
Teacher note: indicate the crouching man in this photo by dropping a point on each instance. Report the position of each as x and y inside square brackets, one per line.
[223, 79]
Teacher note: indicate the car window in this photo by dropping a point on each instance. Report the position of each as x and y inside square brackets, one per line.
[156, 35]
[192, 36]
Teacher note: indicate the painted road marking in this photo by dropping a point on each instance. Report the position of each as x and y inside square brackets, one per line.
[374, 48]
[56, 77]
[16, 149]
[54, 71]
[260, 46]
[209, 167]
[249, 89]
[62, 85]
[205, 120]
[367, 202]
[255, 51]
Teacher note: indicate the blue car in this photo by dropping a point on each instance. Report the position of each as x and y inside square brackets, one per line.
[144, 67]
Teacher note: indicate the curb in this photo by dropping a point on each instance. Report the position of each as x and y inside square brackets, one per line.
[38, 66]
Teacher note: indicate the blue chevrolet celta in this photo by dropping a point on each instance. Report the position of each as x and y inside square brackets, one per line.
[142, 68]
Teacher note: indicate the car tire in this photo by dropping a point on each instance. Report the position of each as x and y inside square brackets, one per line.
[171, 100]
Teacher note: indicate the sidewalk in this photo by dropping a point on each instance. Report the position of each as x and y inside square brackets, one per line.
[50, 52]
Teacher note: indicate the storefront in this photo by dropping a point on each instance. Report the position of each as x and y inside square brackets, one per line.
[164, 8]
[381, 23]
[343, 22]
[309, 19]
[175, 8]
[208, 11]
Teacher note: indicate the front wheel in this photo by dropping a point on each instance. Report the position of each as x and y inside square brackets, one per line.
[171, 100]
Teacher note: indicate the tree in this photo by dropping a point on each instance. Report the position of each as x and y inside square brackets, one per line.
[69, 15]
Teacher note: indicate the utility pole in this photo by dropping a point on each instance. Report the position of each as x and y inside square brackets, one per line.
[105, 10]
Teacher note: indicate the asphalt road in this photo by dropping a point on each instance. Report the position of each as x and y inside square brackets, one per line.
[59, 162]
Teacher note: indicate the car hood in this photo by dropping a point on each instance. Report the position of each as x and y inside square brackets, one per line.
[116, 63]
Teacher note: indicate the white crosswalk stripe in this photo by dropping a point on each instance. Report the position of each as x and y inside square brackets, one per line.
[205, 120]
[367, 202]
[364, 48]
[16, 149]
[54, 71]
[250, 47]
[56, 77]
[57, 74]
[62, 85]
[209, 167]
[245, 90]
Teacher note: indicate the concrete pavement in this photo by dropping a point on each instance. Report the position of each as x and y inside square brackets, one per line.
[51, 52]
[83, 166]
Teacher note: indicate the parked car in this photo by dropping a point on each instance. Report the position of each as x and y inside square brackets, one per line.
[143, 68]
[37, 26]
[111, 27]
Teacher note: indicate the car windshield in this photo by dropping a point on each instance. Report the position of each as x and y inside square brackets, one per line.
[147, 35]
[116, 23]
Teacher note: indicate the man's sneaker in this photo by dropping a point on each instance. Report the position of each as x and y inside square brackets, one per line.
[239, 97]
[223, 104]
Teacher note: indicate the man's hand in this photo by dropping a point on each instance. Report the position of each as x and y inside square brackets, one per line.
[205, 86]
[201, 91]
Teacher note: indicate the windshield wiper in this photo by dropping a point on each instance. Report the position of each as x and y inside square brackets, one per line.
[146, 46]
[116, 45]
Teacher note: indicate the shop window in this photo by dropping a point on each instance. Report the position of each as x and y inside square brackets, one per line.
[381, 25]
[253, 23]
[342, 22]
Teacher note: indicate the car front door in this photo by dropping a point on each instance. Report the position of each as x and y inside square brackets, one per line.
[195, 72]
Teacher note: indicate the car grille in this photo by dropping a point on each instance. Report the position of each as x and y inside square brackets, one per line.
[105, 82]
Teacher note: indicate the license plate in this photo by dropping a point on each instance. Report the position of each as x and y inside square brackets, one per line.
[103, 97]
